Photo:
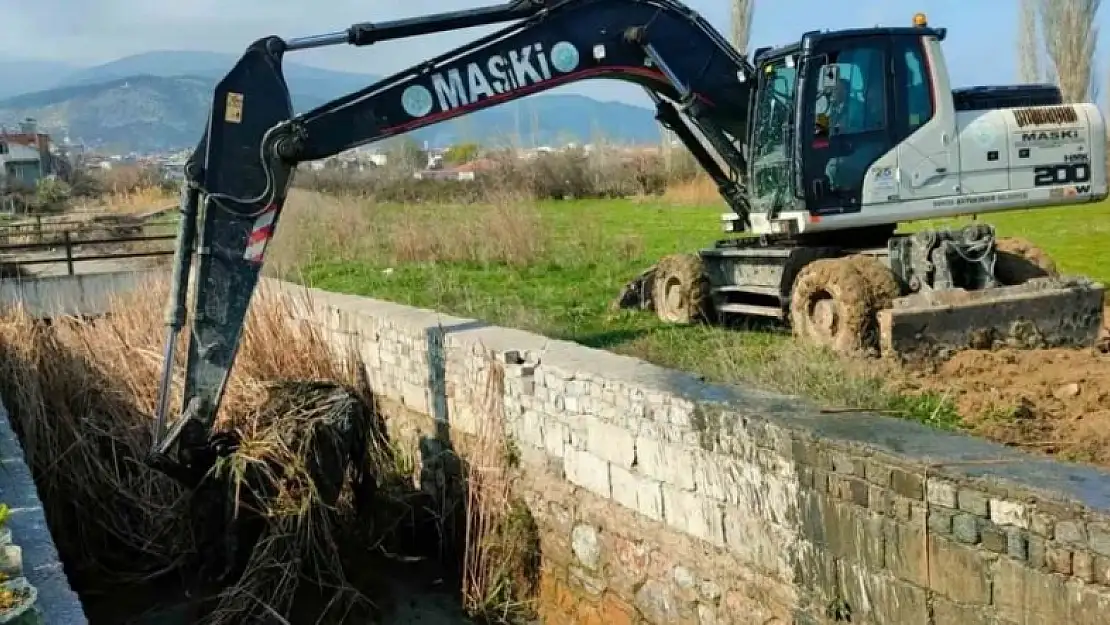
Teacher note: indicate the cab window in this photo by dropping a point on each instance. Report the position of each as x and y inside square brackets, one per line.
[915, 89]
[856, 103]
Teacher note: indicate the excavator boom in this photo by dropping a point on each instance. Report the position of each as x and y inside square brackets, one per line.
[238, 176]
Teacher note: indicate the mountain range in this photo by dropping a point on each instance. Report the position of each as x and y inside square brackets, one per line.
[158, 101]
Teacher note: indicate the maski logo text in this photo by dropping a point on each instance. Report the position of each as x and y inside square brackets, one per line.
[496, 75]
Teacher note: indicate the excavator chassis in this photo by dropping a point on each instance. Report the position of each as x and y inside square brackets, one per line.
[909, 297]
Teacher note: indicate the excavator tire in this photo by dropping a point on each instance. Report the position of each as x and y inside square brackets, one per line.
[1019, 261]
[834, 304]
[681, 290]
[882, 286]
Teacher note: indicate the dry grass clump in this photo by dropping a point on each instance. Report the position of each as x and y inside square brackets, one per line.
[81, 395]
[127, 200]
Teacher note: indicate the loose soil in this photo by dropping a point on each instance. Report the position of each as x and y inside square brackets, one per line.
[1053, 401]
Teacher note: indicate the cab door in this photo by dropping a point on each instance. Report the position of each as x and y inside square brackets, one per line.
[924, 122]
[847, 129]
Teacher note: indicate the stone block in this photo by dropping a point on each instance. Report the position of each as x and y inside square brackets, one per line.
[876, 598]
[1070, 533]
[940, 520]
[586, 546]
[973, 502]
[1100, 566]
[965, 528]
[905, 553]
[1058, 559]
[878, 473]
[588, 471]
[666, 462]
[846, 464]
[1017, 544]
[958, 572]
[757, 543]
[908, 484]
[611, 443]
[946, 612]
[657, 602]
[854, 491]
[694, 514]
[940, 492]
[1082, 565]
[1098, 537]
[636, 492]
[991, 537]
[1042, 524]
[1005, 512]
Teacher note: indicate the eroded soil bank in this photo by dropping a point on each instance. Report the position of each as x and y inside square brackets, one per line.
[1054, 401]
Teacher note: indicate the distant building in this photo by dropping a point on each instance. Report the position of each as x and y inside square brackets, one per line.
[24, 156]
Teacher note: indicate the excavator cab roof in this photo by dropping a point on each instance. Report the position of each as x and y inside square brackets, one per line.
[815, 38]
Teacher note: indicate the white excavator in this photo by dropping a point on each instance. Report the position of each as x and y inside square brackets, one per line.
[850, 135]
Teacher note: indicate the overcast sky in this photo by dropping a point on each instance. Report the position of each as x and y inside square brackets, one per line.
[88, 32]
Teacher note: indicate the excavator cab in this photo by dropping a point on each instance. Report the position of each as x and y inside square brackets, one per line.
[827, 107]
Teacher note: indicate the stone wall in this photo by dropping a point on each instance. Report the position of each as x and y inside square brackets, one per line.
[662, 499]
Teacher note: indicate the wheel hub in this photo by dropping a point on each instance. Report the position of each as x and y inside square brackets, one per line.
[672, 295]
[825, 317]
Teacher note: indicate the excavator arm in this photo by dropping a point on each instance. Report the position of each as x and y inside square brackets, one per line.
[239, 174]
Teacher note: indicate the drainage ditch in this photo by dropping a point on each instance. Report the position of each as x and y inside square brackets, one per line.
[298, 539]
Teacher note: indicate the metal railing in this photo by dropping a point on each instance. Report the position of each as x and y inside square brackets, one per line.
[72, 248]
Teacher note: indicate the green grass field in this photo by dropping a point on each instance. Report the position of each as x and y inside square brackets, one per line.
[591, 248]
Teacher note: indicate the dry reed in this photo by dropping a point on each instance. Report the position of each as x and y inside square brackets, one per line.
[81, 394]
[501, 544]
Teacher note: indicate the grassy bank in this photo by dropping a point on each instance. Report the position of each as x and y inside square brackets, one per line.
[555, 266]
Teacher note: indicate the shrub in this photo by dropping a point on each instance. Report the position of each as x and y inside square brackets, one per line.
[571, 173]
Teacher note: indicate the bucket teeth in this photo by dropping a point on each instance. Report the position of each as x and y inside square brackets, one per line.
[1041, 313]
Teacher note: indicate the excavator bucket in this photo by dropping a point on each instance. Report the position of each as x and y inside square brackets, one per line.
[1040, 313]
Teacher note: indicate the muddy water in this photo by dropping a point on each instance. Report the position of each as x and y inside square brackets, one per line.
[409, 597]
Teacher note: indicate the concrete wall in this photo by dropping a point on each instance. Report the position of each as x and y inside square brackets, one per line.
[57, 603]
[83, 294]
[661, 499]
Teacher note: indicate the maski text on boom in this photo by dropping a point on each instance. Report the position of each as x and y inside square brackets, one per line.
[498, 74]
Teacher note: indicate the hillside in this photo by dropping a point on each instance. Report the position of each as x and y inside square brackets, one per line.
[24, 75]
[212, 66]
[151, 112]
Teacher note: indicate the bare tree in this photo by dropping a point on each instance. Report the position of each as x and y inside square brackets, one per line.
[1070, 37]
[1028, 45]
[742, 11]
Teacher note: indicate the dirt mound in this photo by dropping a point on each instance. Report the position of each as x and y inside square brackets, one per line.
[1055, 401]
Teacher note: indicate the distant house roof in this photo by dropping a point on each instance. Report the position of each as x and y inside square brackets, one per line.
[28, 139]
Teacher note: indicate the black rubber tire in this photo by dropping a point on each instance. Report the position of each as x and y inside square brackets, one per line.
[834, 304]
[1019, 261]
[680, 292]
